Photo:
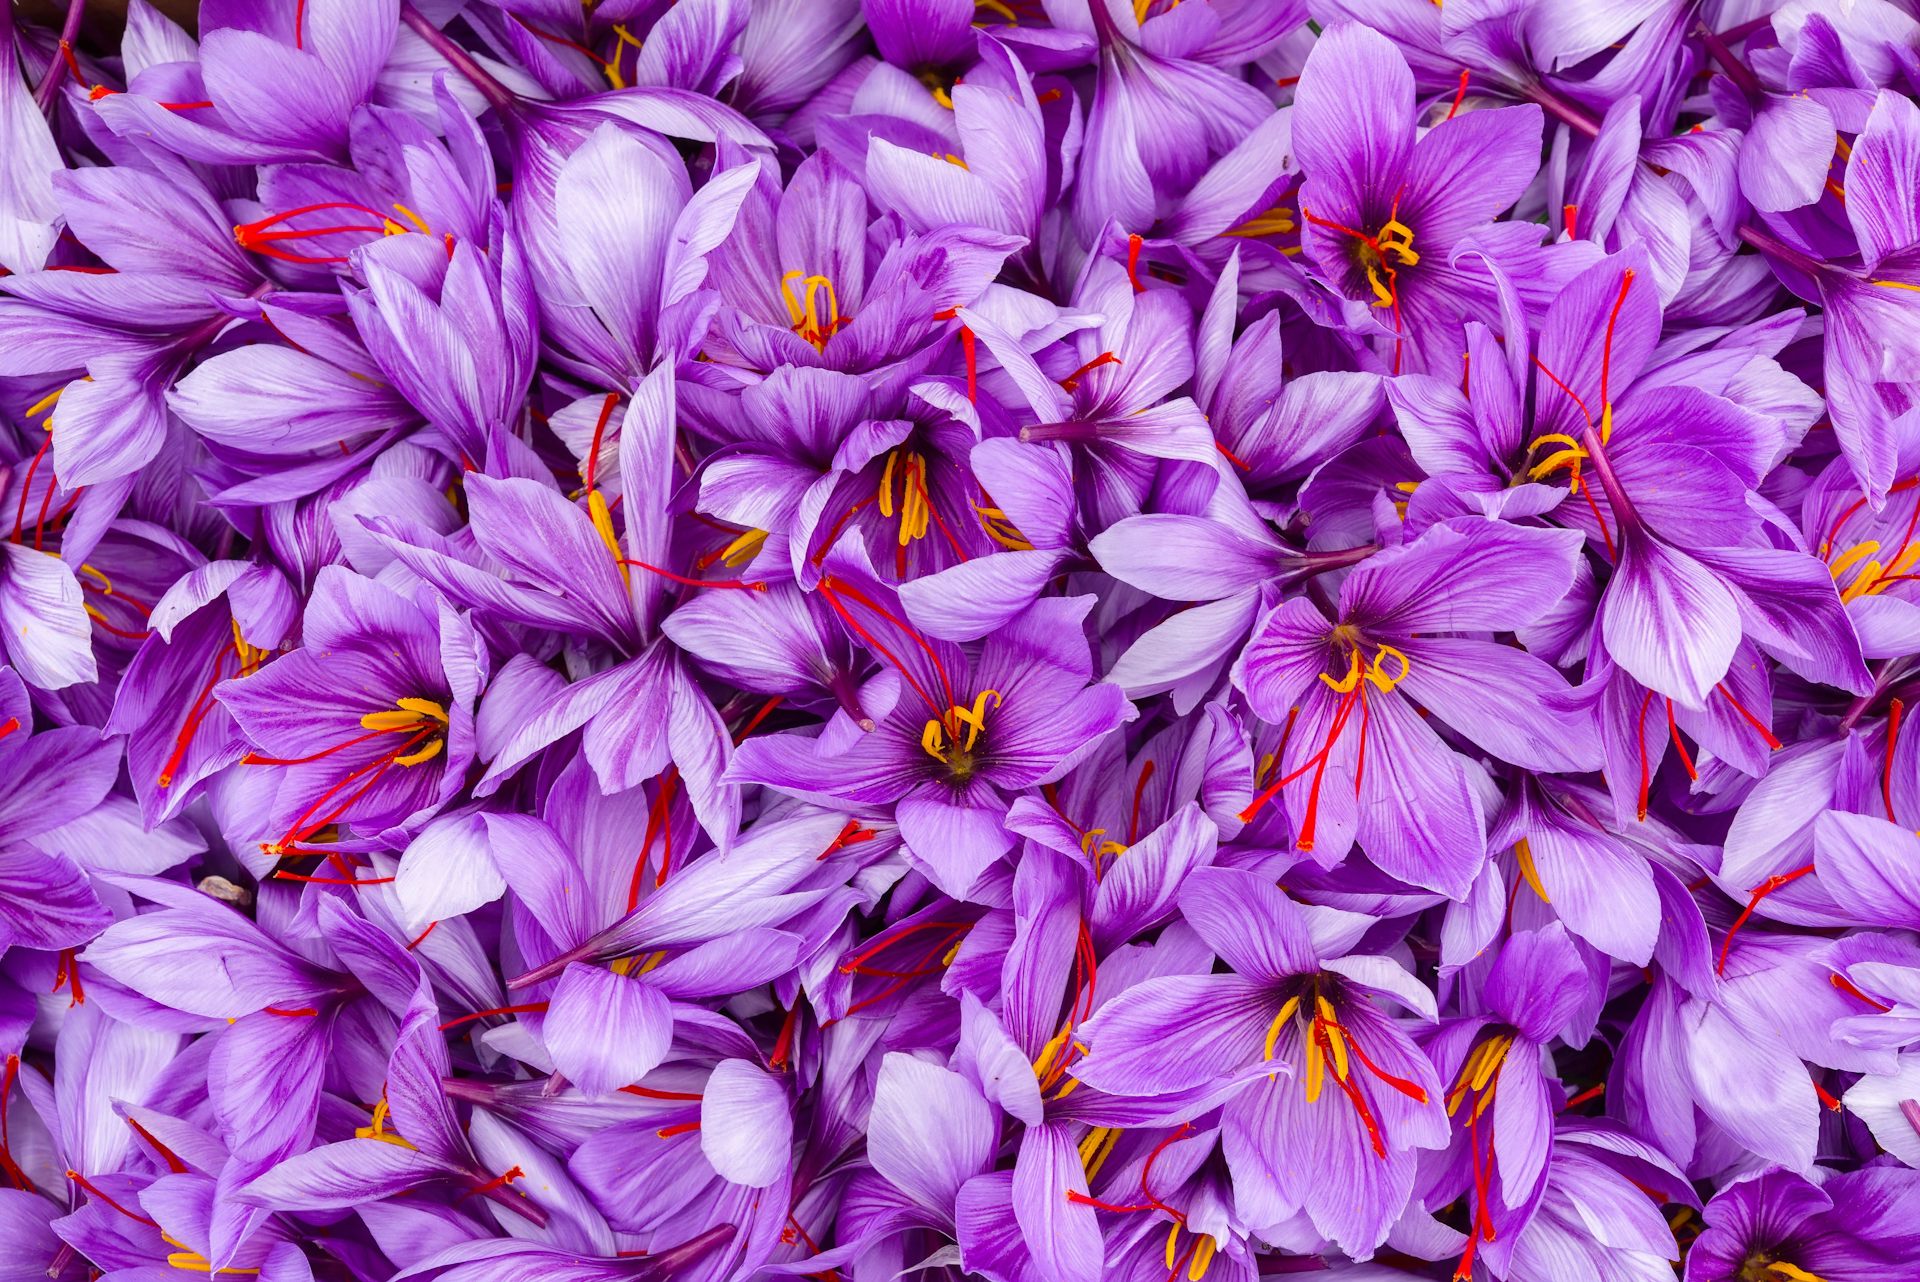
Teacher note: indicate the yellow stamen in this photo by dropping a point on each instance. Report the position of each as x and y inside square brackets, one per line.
[1396, 239]
[377, 1129]
[1496, 1055]
[1478, 1070]
[1382, 296]
[1274, 222]
[622, 38]
[744, 548]
[1048, 1053]
[1347, 683]
[934, 741]
[1095, 1148]
[1316, 1069]
[1853, 556]
[425, 707]
[602, 517]
[194, 1262]
[418, 222]
[1335, 1042]
[428, 753]
[886, 484]
[1554, 462]
[46, 402]
[1173, 1241]
[1901, 565]
[975, 718]
[1377, 671]
[1793, 1273]
[1001, 530]
[391, 719]
[250, 656]
[803, 308]
[1202, 1256]
[1895, 284]
[1280, 1022]
[1523, 855]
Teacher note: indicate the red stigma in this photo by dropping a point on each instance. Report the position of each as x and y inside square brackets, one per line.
[15, 1176]
[261, 235]
[1760, 726]
[851, 835]
[1846, 986]
[1606, 348]
[738, 585]
[94, 1192]
[1139, 792]
[1894, 710]
[660, 820]
[648, 1092]
[1072, 381]
[1760, 892]
[1673, 729]
[68, 976]
[599, 428]
[521, 1009]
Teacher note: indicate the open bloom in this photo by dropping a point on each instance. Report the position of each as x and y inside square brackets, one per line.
[1326, 1071]
[1358, 761]
[963, 733]
[1387, 216]
[370, 723]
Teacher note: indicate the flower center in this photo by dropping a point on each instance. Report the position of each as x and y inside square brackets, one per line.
[803, 307]
[943, 735]
[1758, 1268]
[1330, 1044]
[1477, 1080]
[913, 506]
[1382, 254]
[416, 718]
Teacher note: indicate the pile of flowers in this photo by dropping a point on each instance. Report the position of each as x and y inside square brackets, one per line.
[1051, 640]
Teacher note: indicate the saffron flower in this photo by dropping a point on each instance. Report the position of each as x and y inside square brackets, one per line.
[1045, 640]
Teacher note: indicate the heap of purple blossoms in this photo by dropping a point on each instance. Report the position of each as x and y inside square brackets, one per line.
[1045, 640]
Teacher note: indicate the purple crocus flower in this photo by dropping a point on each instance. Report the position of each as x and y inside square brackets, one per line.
[1598, 1176]
[802, 284]
[1501, 1101]
[369, 723]
[706, 640]
[962, 733]
[274, 82]
[133, 325]
[1855, 1224]
[1387, 218]
[1357, 762]
[1324, 1069]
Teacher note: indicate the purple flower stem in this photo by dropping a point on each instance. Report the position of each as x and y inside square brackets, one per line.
[55, 73]
[497, 95]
